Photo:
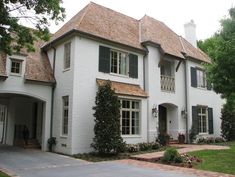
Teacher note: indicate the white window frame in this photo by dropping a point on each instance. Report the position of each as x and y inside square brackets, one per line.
[201, 78]
[119, 58]
[130, 110]
[202, 115]
[67, 56]
[65, 108]
[20, 62]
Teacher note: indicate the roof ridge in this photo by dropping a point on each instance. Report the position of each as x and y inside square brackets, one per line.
[84, 14]
[120, 13]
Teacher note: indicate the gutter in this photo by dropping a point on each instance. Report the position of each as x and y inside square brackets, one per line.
[186, 99]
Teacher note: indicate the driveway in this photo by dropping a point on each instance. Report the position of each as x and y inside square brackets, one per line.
[34, 163]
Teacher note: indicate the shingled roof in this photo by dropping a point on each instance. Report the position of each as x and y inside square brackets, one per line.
[105, 23]
[38, 67]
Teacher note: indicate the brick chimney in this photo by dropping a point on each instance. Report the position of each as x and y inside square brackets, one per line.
[190, 33]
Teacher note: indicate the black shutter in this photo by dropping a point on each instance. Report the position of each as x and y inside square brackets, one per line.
[104, 59]
[133, 66]
[210, 120]
[193, 77]
[195, 121]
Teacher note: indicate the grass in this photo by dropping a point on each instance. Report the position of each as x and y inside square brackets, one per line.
[217, 160]
[94, 157]
[3, 174]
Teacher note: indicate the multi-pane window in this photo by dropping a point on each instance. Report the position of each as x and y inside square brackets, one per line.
[119, 62]
[201, 78]
[203, 119]
[65, 115]
[130, 117]
[16, 66]
[67, 55]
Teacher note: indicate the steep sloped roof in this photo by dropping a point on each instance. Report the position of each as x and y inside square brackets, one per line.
[157, 32]
[105, 23]
[38, 67]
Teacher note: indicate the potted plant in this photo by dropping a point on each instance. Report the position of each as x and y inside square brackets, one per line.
[181, 138]
[51, 143]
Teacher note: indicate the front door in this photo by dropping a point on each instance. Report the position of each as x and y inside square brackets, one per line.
[162, 120]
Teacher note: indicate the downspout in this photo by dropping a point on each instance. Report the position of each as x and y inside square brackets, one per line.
[186, 89]
[186, 99]
[144, 85]
[52, 93]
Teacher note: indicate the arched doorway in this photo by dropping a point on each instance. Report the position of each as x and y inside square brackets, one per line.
[168, 122]
[21, 120]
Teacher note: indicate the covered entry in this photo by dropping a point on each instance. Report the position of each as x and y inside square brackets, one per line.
[168, 120]
[21, 120]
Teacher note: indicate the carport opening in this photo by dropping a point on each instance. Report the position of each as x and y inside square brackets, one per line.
[21, 120]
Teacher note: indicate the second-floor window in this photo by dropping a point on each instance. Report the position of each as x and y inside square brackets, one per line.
[67, 55]
[201, 78]
[16, 66]
[118, 62]
[198, 78]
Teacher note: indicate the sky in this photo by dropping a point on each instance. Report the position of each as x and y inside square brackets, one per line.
[174, 13]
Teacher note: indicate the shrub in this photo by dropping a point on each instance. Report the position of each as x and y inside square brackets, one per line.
[163, 139]
[107, 121]
[219, 140]
[132, 147]
[51, 143]
[155, 145]
[171, 155]
[145, 146]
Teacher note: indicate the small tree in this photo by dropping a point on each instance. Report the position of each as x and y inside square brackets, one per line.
[107, 138]
[228, 121]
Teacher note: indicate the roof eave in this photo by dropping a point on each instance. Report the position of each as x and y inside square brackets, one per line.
[94, 37]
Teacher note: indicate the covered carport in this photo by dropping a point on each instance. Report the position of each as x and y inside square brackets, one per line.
[19, 112]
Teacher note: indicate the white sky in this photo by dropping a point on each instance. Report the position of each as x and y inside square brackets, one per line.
[174, 13]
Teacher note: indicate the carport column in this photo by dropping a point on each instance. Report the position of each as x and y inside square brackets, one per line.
[46, 124]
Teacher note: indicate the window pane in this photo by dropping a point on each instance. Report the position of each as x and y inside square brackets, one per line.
[114, 62]
[15, 66]
[67, 53]
[122, 63]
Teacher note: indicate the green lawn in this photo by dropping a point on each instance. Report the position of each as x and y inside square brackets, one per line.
[3, 174]
[217, 160]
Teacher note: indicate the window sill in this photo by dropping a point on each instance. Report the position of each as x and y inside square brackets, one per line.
[63, 136]
[201, 134]
[14, 74]
[131, 136]
[67, 69]
[119, 75]
[166, 91]
[202, 88]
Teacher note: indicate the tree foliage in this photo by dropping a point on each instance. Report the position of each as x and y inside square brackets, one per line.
[228, 121]
[107, 121]
[221, 48]
[37, 13]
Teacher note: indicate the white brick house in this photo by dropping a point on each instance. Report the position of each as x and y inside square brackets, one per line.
[157, 75]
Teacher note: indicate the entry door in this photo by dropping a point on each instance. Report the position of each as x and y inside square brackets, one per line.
[2, 122]
[162, 120]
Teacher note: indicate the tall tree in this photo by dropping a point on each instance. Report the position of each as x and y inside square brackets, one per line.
[38, 13]
[221, 72]
[221, 48]
[107, 138]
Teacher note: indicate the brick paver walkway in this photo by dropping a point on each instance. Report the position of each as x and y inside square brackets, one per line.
[183, 148]
[189, 171]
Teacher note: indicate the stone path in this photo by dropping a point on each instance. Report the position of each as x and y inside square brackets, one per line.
[173, 169]
[183, 148]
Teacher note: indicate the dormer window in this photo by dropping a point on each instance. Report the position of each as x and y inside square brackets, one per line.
[16, 67]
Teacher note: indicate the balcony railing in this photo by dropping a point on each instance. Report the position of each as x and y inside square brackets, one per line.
[167, 83]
